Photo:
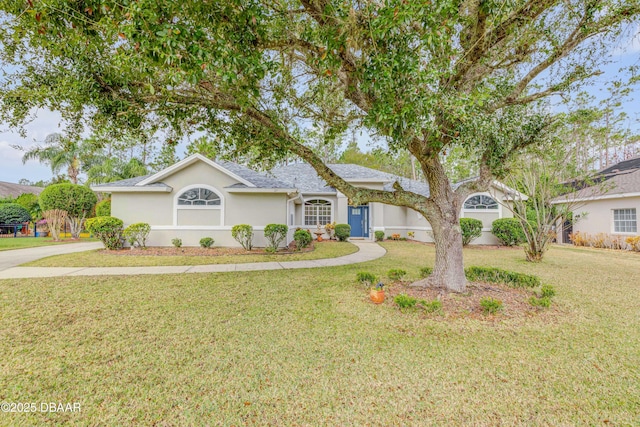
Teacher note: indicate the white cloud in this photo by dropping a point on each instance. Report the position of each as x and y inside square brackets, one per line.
[11, 167]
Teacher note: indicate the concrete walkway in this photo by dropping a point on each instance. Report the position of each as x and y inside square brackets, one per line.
[368, 251]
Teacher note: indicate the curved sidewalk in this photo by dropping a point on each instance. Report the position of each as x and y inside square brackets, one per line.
[367, 251]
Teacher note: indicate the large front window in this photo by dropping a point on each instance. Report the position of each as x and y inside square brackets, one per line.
[317, 212]
[625, 221]
[199, 197]
[480, 202]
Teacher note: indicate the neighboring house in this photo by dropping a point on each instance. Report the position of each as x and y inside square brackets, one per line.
[9, 189]
[199, 197]
[610, 206]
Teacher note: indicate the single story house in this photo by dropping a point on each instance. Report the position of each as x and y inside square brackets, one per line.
[610, 206]
[9, 189]
[199, 197]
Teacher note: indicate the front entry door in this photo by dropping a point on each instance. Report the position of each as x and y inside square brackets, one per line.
[359, 221]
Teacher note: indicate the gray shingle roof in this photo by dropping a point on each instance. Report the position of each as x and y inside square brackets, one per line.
[619, 179]
[303, 177]
[260, 180]
[9, 189]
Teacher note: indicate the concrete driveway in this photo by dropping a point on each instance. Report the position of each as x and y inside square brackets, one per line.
[15, 257]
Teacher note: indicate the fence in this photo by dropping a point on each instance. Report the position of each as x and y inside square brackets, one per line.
[17, 230]
[26, 230]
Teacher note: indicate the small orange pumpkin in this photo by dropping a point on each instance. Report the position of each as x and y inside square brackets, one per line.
[376, 296]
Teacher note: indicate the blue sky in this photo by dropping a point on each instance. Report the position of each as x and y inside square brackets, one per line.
[624, 53]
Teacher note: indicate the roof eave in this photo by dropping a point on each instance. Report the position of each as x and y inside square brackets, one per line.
[596, 197]
[132, 189]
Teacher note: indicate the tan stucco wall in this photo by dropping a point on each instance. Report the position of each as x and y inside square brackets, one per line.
[256, 209]
[198, 217]
[198, 173]
[599, 215]
[487, 217]
[152, 208]
[402, 220]
[157, 209]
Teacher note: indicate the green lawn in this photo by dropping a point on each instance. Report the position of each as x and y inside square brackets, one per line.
[305, 347]
[104, 259]
[31, 242]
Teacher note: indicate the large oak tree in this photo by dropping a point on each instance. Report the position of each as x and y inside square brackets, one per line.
[425, 75]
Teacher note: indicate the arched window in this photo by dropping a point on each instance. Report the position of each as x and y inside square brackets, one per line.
[480, 202]
[316, 212]
[198, 197]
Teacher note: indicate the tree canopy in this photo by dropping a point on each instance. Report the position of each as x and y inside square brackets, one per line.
[425, 76]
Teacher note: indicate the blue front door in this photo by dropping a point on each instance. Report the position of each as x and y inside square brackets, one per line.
[359, 221]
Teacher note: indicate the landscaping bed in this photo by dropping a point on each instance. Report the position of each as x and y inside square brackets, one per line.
[157, 256]
[198, 251]
[515, 301]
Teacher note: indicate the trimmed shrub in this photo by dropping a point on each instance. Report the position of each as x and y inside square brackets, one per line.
[243, 233]
[275, 234]
[544, 302]
[404, 301]
[343, 231]
[13, 213]
[471, 229]
[302, 238]
[508, 231]
[497, 275]
[547, 291]
[426, 271]
[206, 242]
[176, 242]
[137, 234]
[379, 236]
[30, 202]
[108, 229]
[490, 305]
[431, 306]
[634, 243]
[366, 277]
[77, 200]
[103, 208]
[396, 274]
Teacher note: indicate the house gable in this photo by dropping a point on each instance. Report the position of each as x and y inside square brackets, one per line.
[194, 158]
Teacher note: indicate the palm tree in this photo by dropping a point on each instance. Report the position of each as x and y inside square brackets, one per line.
[59, 152]
[110, 169]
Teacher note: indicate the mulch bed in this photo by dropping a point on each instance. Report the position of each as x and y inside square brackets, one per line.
[515, 302]
[199, 251]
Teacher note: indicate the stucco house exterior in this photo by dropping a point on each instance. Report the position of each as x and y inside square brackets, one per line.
[610, 206]
[199, 197]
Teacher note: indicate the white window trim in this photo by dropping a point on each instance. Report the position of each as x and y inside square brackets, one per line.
[316, 198]
[613, 223]
[177, 207]
[465, 210]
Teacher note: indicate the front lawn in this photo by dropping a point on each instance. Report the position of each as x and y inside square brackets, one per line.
[101, 258]
[306, 347]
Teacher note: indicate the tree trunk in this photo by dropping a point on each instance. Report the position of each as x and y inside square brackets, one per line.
[448, 271]
[444, 218]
